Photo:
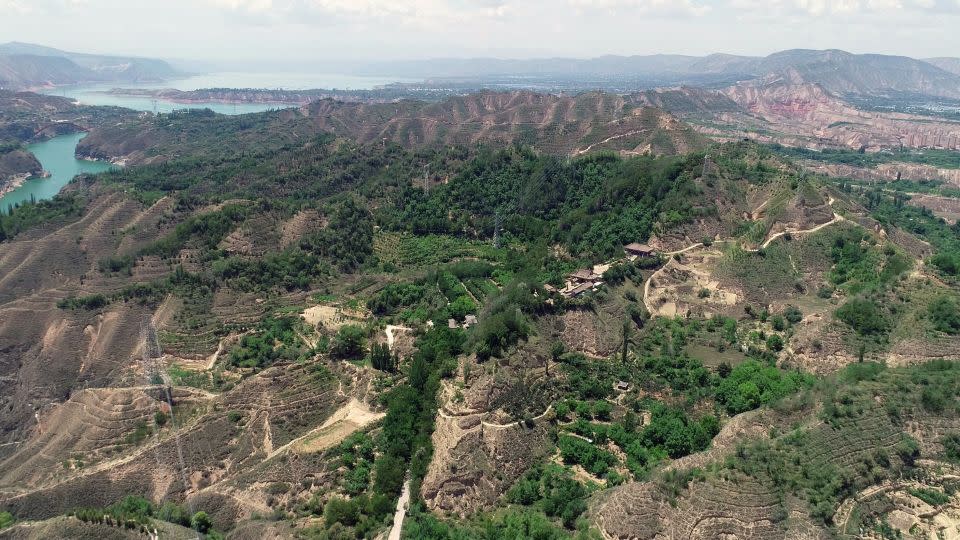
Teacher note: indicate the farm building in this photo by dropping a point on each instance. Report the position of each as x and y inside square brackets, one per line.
[635, 250]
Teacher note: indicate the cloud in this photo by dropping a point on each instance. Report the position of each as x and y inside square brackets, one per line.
[29, 7]
[821, 8]
[16, 7]
[406, 12]
[654, 7]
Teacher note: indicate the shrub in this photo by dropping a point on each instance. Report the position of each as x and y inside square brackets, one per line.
[577, 451]
[933, 399]
[602, 410]
[752, 384]
[201, 522]
[116, 264]
[348, 343]
[90, 303]
[382, 359]
[945, 314]
[793, 314]
[951, 447]
[779, 323]
[775, 343]
[931, 496]
[278, 488]
[864, 316]
[6, 520]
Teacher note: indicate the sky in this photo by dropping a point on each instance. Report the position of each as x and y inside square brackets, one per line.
[274, 32]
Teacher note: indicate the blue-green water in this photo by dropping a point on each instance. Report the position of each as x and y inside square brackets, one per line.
[100, 94]
[57, 157]
[57, 154]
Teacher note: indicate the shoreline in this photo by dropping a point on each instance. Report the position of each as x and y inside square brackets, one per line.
[18, 180]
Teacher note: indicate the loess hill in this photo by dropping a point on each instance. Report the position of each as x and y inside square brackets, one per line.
[272, 325]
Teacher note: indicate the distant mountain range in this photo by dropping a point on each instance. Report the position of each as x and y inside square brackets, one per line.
[838, 72]
[23, 65]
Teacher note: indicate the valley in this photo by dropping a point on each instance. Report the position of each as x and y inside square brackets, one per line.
[727, 312]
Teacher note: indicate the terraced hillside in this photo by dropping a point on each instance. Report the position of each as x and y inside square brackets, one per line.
[283, 325]
[852, 467]
[556, 125]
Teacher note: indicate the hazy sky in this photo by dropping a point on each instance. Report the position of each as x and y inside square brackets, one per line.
[387, 29]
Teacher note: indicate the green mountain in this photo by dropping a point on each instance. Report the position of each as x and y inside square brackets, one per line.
[24, 65]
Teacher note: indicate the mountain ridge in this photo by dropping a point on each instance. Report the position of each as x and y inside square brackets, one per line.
[25, 65]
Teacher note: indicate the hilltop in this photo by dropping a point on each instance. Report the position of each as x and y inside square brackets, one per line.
[556, 125]
[24, 65]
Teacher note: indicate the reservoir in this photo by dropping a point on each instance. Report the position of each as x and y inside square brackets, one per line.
[57, 154]
[57, 157]
[100, 94]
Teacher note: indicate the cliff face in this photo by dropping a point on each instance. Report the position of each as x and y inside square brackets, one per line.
[888, 172]
[807, 114]
[17, 165]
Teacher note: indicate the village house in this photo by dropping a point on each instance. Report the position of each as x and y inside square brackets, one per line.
[580, 282]
[637, 250]
[584, 275]
[470, 320]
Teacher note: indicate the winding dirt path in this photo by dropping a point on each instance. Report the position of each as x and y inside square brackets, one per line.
[345, 421]
[447, 416]
[837, 218]
[608, 139]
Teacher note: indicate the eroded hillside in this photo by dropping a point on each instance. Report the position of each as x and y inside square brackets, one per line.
[285, 324]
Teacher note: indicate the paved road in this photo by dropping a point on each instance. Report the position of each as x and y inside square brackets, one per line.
[402, 504]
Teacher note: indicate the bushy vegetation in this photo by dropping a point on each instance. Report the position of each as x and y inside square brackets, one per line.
[349, 343]
[91, 302]
[947, 159]
[864, 316]
[594, 205]
[274, 340]
[137, 513]
[944, 312]
[403, 444]
[859, 268]
[207, 230]
[752, 384]
[16, 219]
[510, 524]
[553, 490]
[659, 364]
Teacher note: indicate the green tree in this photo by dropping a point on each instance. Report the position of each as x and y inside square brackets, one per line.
[945, 314]
[793, 314]
[348, 343]
[382, 359]
[864, 316]
[201, 522]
